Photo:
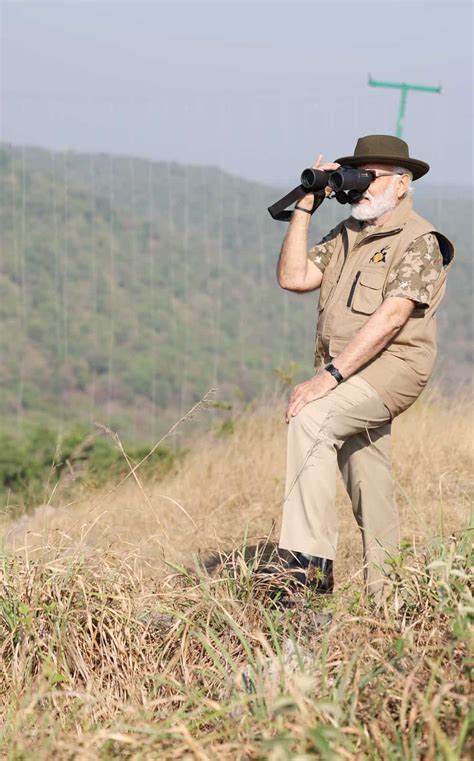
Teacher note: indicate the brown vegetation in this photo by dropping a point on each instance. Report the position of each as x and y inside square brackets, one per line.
[114, 645]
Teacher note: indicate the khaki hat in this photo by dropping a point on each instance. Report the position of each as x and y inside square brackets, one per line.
[385, 149]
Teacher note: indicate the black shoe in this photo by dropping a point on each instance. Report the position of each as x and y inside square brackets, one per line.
[312, 572]
[295, 570]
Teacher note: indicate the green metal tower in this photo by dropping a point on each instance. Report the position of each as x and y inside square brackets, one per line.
[404, 88]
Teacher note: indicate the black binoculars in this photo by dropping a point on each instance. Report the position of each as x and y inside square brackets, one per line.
[347, 183]
[345, 178]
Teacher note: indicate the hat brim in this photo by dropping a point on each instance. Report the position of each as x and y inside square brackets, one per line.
[418, 168]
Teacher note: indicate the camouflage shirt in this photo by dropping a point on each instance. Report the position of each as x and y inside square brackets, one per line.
[415, 276]
[417, 273]
[321, 253]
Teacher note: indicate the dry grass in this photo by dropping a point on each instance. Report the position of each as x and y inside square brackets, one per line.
[231, 487]
[112, 649]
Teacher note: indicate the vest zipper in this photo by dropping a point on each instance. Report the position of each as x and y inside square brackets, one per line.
[374, 236]
[353, 287]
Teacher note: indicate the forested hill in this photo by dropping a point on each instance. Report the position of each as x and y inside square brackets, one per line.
[130, 287]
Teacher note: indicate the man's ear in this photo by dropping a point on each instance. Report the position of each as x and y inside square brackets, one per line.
[403, 185]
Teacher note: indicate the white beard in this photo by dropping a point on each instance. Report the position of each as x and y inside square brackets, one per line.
[377, 206]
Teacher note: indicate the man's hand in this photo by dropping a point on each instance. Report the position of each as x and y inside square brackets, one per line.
[308, 391]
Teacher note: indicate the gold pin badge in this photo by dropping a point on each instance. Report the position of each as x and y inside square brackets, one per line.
[380, 255]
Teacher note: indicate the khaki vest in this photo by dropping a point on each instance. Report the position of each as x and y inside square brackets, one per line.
[353, 287]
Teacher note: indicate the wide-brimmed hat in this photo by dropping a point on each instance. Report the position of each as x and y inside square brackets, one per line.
[385, 149]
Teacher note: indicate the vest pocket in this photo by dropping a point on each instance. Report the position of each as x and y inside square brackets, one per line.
[366, 292]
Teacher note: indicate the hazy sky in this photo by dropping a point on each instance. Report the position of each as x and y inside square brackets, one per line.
[257, 88]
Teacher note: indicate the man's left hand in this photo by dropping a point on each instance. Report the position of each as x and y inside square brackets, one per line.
[308, 391]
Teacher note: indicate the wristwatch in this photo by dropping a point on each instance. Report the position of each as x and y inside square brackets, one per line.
[334, 372]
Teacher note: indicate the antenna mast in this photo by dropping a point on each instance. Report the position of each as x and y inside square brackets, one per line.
[404, 88]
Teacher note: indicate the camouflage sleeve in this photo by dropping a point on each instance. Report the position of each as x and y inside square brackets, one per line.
[321, 253]
[417, 273]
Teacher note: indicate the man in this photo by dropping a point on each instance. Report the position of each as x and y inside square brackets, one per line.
[381, 274]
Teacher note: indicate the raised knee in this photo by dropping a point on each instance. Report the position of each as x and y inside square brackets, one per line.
[309, 420]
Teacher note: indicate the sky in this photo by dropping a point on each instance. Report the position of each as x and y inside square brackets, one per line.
[258, 89]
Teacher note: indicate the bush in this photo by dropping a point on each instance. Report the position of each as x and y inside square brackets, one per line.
[31, 466]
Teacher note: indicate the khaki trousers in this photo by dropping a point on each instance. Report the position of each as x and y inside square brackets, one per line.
[349, 428]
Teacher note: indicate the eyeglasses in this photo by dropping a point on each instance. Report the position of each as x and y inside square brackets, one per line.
[378, 173]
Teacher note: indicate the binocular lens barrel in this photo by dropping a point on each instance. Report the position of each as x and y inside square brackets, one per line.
[314, 179]
[347, 178]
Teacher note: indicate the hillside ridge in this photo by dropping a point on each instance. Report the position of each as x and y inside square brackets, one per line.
[130, 287]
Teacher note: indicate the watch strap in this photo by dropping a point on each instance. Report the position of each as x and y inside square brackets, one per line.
[334, 372]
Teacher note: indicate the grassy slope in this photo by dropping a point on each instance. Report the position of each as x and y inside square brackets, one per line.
[130, 287]
[107, 652]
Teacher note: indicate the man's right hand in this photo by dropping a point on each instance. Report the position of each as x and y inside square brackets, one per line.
[295, 272]
[308, 200]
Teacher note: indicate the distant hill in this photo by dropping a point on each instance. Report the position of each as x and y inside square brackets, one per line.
[129, 287]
